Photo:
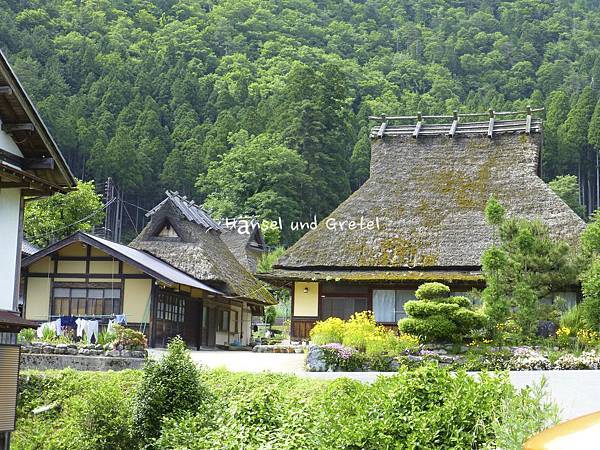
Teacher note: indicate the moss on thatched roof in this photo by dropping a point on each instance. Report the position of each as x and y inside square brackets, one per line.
[199, 252]
[429, 195]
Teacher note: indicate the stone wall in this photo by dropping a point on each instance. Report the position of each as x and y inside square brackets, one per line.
[82, 350]
[41, 361]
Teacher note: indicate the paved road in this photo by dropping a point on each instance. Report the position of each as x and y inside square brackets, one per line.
[577, 392]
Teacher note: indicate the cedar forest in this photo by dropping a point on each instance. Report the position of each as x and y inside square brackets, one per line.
[260, 107]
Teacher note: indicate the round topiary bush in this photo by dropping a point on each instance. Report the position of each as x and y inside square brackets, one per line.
[431, 291]
[436, 316]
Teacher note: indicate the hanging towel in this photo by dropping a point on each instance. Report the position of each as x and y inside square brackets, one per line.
[57, 327]
[80, 324]
[91, 330]
[68, 321]
[110, 328]
[121, 319]
[40, 330]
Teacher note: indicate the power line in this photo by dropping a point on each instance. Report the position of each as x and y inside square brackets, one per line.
[74, 223]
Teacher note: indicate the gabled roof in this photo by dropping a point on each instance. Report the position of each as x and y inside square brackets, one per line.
[21, 119]
[198, 250]
[145, 262]
[189, 209]
[239, 239]
[428, 197]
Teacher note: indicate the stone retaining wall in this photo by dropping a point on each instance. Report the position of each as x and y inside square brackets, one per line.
[39, 361]
[81, 350]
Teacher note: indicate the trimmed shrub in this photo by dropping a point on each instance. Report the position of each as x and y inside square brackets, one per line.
[429, 291]
[422, 309]
[169, 388]
[436, 316]
[433, 328]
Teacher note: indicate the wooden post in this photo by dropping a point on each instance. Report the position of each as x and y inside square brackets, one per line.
[528, 121]
[454, 123]
[381, 131]
[419, 124]
[491, 125]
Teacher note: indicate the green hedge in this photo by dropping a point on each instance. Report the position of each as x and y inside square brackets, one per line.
[424, 408]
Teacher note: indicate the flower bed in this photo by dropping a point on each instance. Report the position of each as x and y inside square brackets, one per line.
[278, 348]
[337, 358]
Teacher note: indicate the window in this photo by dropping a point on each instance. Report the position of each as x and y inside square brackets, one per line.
[222, 320]
[236, 326]
[171, 307]
[342, 307]
[86, 301]
[388, 304]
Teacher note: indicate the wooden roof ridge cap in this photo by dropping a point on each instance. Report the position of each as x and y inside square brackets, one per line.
[456, 113]
[453, 128]
[35, 117]
[175, 198]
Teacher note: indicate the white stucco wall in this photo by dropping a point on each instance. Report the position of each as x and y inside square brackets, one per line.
[6, 143]
[10, 201]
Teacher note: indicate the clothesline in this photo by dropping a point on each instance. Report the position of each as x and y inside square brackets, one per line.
[89, 327]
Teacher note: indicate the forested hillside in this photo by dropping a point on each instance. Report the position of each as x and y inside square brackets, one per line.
[258, 106]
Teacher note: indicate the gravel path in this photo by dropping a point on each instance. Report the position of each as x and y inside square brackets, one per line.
[577, 392]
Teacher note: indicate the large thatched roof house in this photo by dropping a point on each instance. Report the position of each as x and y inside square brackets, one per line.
[419, 217]
[177, 277]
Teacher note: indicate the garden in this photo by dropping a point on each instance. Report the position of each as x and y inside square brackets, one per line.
[518, 322]
[173, 404]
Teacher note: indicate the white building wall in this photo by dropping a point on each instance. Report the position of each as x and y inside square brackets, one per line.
[10, 202]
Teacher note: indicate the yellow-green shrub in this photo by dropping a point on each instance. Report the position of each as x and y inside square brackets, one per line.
[328, 331]
[358, 329]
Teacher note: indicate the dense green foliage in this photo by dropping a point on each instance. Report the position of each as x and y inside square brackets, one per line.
[157, 94]
[567, 188]
[90, 410]
[53, 218]
[435, 316]
[168, 388]
[527, 266]
[426, 408]
[591, 296]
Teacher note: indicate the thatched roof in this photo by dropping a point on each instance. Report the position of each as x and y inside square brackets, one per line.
[245, 242]
[198, 250]
[429, 195]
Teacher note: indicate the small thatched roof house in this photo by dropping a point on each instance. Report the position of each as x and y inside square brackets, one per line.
[245, 240]
[176, 278]
[185, 236]
[420, 217]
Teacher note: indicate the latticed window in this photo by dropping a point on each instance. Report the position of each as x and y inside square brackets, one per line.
[80, 300]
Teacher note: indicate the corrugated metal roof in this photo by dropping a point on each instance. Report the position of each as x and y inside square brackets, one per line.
[191, 211]
[27, 248]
